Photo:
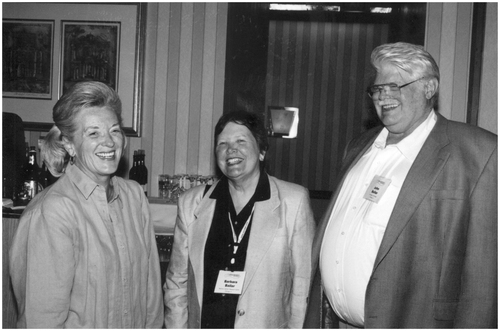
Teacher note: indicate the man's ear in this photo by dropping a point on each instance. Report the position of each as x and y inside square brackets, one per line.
[431, 87]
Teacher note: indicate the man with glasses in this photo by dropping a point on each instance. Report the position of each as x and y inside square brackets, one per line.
[409, 239]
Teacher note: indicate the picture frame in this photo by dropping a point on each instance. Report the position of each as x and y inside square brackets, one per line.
[27, 52]
[131, 16]
[90, 51]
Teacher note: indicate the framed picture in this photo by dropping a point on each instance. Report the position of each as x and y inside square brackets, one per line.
[90, 51]
[27, 50]
[92, 40]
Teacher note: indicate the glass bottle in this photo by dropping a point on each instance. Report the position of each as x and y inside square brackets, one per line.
[132, 175]
[31, 180]
[46, 178]
[142, 170]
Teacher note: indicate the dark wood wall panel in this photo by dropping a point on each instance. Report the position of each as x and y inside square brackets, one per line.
[321, 68]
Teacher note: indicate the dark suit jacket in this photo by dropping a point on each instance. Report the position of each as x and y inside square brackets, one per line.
[437, 264]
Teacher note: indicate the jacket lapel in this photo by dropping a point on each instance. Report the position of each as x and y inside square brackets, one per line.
[203, 215]
[265, 222]
[423, 173]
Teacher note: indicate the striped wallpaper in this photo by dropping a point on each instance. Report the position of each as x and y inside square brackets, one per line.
[321, 68]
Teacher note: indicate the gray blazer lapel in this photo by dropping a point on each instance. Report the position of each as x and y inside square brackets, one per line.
[418, 182]
[265, 222]
[203, 215]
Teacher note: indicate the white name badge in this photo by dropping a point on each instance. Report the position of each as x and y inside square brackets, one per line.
[377, 188]
[230, 282]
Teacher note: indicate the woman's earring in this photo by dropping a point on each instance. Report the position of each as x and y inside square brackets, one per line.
[72, 159]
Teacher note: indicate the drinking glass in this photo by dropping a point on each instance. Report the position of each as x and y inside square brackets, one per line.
[193, 180]
[163, 186]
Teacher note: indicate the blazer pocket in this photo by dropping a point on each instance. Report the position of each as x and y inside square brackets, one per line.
[448, 195]
[445, 310]
[448, 205]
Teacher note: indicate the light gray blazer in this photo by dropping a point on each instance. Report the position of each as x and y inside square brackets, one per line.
[278, 263]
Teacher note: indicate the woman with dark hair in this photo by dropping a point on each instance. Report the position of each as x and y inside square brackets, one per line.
[84, 254]
[242, 248]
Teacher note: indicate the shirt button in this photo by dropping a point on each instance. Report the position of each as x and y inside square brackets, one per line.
[337, 262]
[241, 312]
[342, 233]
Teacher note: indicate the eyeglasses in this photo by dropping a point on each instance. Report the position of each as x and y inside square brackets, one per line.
[376, 89]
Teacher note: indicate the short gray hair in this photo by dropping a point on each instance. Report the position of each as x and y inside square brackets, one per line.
[408, 57]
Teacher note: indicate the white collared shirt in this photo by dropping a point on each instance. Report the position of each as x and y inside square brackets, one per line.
[356, 226]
